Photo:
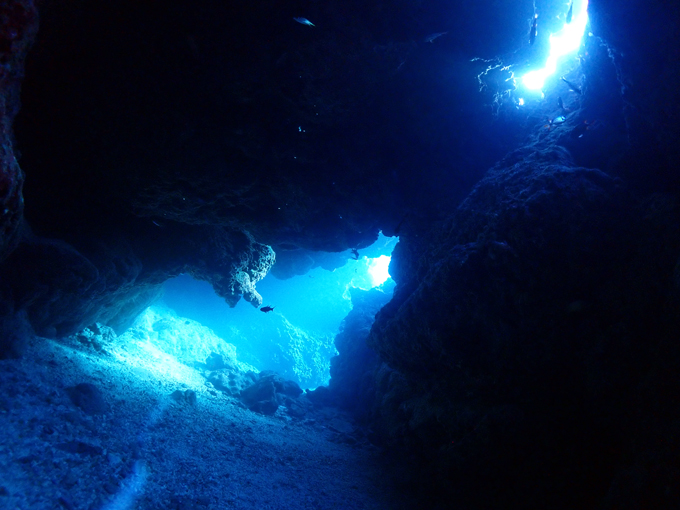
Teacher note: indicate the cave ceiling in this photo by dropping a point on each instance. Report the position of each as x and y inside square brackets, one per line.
[205, 137]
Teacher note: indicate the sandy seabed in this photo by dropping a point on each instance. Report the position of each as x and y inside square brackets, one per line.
[148, 450]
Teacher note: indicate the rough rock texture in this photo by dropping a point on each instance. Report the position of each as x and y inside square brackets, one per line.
[299, 355]
[275, 344]
[642, 42]
[531, 346]
[88, 397]
[186, 340]
[231, 382]
[71, 292]
[352, 383]
[15, 333]
[64, 289]
[193, 134]
[97, 337]
[527, 340]
[18, 24]
[268, 392]
[225, 375]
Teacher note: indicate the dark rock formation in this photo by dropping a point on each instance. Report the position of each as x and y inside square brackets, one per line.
[231, 381]
[15, 333]
[352, 381]
[65, 289]
[185, 139]
[530, 341]
[19, 22]
[523, 333]
[642, 40]
[529, 357]
[97, 337]
[269, 392]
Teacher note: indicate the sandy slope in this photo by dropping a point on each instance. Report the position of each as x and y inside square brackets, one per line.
[146, 450]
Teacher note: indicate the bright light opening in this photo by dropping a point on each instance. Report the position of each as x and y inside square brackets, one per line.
[562, 43]
[378, 270]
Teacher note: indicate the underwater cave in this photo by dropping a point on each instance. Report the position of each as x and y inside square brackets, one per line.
[339, 255]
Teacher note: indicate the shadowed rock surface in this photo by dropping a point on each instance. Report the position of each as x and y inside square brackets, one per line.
[533, 340]
[19, 25]
[529, 357]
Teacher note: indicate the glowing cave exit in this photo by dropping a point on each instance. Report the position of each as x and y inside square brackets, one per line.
[378, 269]
[562, 43]
[302, 314]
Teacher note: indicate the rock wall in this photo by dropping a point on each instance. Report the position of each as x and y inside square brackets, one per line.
[17, 31]
[529, 353]
[351, 386]
[528, 349]
[65, 287]
[642, 42]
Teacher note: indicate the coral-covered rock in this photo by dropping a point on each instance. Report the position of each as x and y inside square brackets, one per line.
[352, 382]
[269, 392]
[231, 381]
[97, 336]
[261, 397]
[233, 262]
[522, 312]
[66, 288]
[282, 386]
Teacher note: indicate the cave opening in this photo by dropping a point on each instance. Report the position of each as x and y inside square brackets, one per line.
[296, 337]
[562, 43]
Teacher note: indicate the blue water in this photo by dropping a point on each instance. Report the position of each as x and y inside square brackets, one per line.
[308, 310]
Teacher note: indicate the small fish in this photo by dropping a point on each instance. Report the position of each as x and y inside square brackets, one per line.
[355, 253]
[570, 11]
[534, 30]
[430, 38]
[304, 21]
[560, 103]
[267, 309]
[555, 122]
[571, 86]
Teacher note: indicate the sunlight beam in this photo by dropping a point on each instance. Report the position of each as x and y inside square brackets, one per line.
[562, 43]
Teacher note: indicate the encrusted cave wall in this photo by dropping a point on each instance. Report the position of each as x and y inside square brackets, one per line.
[198, 136]
[530, 354]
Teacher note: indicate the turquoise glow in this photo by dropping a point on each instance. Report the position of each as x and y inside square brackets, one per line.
[378, 270]
[562, 43]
